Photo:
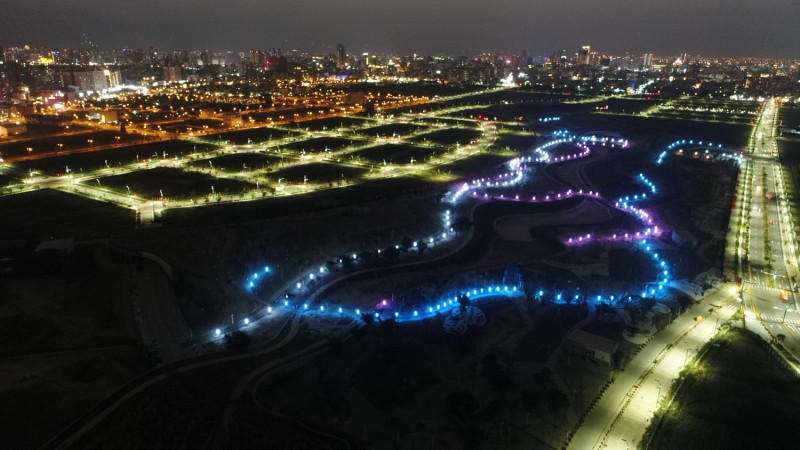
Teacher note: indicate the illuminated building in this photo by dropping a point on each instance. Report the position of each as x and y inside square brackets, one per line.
[341, 60]
[172, 74]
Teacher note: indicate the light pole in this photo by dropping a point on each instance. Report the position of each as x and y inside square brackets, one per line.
[785, 310]
[659, 391]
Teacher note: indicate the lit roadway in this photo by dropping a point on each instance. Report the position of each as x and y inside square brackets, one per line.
[771, 269]
[622, 414]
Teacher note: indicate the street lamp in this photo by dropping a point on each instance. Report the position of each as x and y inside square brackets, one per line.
[659, 391]
[785, 310]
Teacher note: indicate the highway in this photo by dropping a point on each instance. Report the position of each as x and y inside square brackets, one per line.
[769, 267]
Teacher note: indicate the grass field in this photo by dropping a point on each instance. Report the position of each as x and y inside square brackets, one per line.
[447, 122]
[318, 173]
[397, 153]
[317, 145]
[45, 213]
[331, 123]
[449, 136]
[723, 402]
[789, 116]
[255, 135]
[238, 162]
[477, 165]
[388, 130]
[46, 145]
[174, 183]
[114, 157]
[5, 180]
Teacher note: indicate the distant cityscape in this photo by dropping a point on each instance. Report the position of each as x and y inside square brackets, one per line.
[50, 80]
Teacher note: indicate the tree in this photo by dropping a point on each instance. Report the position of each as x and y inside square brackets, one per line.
[406, 243]
[367, 318]
[463, 300]
[556, 399]
[390, 253]
[543, 377]
[617, 357]
[237, 341]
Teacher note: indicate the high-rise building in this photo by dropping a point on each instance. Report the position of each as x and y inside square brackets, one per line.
[256, 58]
[172, 73]
[92, 80]
[585, 55]
[341, 60]
[647, 61]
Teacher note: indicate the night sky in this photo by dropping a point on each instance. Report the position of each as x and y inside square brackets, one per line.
[705, 27]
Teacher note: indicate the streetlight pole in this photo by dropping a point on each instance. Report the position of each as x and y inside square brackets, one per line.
[659, 391]
[785, 310]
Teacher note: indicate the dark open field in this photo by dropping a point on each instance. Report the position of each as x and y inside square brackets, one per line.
[49, 144]
[710, 110]
[626, 106]
[45, 213]
[525, 112]
[115, 156]
[667, 130]
[389, 130]
[256, 135]
[236, 162]
[317, 145]
[518, 142]
[478, 165]
[43, 129]
[446, 122]
[174, 183]
[449, 136]
[331, 123]
[318, 173]
[7, 179]
[396, 153]
[280, 115]
[789, 116]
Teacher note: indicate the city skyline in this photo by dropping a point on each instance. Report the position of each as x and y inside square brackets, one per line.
[712, 28]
